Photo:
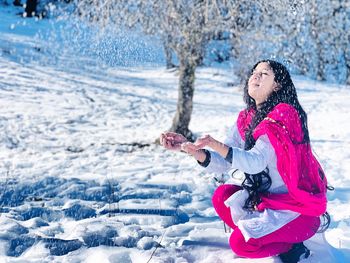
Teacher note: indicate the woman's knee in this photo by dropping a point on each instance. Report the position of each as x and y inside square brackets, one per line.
[238, 244]
[223, 192]
[312, 225]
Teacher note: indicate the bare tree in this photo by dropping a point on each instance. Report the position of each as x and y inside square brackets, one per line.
[255, 27]
[185, 25]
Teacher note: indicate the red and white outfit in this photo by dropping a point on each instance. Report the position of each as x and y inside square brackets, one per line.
[290, 212]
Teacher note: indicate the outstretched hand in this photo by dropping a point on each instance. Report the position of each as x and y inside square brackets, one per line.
[172, 140]
[200, 143]
[208, 141]
[189, 148]
[177, 142]
[204, 141]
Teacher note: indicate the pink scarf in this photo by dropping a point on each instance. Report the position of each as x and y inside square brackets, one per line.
[298, 167]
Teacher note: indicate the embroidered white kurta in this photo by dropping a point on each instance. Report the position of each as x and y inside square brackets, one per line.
[252, 224]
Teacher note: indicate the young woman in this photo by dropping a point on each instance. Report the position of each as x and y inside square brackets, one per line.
[279, 203]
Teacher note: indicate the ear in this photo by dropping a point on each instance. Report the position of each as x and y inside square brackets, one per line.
[276, 87]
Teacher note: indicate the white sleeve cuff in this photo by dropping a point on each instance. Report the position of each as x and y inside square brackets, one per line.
[217, 164]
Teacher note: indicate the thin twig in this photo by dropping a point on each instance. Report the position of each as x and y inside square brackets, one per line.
[161, 239]
[159, 245]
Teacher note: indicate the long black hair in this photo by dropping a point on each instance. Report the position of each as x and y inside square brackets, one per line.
[286, 93]
[257, 184]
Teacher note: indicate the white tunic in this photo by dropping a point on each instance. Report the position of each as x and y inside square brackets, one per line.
[252, 224]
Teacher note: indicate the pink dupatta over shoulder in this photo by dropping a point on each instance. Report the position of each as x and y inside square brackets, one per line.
[298, 167]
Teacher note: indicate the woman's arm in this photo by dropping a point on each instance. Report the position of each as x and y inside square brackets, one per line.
[212, 161]
[233, 137]
[256, 159]
[174, 141]
[252, 161]
[216, 145]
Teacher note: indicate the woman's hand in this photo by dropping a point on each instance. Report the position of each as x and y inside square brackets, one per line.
[204, 141]
[172, 140]
[189, 148]
[193, 150]
[210, 142]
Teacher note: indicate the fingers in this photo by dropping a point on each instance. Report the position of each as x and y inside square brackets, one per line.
[175, 141]
[189, 147]
[203, 141]
[172, 137]
[169, 141]
[205, 138]
[162, 138]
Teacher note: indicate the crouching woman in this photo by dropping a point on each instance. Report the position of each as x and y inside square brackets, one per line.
[282, 197]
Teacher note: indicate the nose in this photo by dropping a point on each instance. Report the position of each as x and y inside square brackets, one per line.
[257, 75]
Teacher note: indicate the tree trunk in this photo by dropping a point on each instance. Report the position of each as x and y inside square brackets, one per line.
[168, 54]
[183, 114]
[31, 8]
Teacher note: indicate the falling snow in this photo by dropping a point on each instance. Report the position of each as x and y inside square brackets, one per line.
[81, 179]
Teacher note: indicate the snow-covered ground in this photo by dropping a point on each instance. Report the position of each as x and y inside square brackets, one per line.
[74, 186]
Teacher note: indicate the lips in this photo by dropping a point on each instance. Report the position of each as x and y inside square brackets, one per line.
[254, 84]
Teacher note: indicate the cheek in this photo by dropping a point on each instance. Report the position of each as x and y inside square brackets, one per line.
[265, 90]
[268, 86]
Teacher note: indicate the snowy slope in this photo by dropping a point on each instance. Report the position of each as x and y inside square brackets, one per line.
[75, 188]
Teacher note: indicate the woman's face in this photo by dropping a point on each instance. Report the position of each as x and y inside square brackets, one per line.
[261, 83]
